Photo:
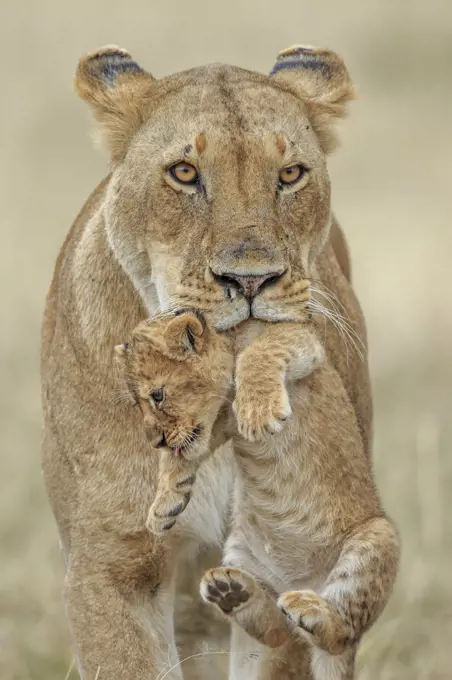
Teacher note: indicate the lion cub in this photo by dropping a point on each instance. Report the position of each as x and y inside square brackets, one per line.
[179, 372]
[310, 549]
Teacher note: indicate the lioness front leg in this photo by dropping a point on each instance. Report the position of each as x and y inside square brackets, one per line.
[283, 353]
[119, 602]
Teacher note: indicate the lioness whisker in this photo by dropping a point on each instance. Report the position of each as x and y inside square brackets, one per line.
[344, 322]
[333, 300]
[320, 309]
[351, 333]
[327, 296]
[343, 328]
[327, 313]
[330, 292]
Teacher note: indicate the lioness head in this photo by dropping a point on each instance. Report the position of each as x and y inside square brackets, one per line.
[220, 195]
[179, 371]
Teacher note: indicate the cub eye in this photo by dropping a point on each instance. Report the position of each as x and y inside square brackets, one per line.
[157, 395]
[185, 173]
[291, 175]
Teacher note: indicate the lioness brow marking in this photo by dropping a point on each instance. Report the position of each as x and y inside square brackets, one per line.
[281, 144]
[201, 142]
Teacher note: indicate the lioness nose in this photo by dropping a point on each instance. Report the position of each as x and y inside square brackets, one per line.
[248, 285]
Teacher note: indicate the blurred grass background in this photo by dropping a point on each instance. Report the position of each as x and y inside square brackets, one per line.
[391, 185]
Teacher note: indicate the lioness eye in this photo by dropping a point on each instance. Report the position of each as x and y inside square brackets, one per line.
[185, 173]
[291, 174]
[157, 395]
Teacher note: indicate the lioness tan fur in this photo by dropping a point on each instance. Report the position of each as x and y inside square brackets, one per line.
[321, 531]
[234, 244]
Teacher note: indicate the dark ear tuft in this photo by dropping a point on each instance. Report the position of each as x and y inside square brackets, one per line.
[320, 78]
[104, 65]
[301, 56]
[115, 87]
[192, 310]
[191, 338]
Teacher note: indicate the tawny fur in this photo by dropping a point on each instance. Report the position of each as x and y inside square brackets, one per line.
[296, 525]
[192, 366]
[142, 243]
[308, 526]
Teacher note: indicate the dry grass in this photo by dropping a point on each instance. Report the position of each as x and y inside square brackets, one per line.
[392, 194]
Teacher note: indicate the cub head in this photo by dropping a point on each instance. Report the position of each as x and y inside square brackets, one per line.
[179, 372]
[219, 196]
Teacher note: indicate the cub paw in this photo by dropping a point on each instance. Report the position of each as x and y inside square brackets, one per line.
[316, 619]
[165, 510]
[261, 412]
[229, 589]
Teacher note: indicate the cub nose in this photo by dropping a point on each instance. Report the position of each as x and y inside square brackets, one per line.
[249, 285]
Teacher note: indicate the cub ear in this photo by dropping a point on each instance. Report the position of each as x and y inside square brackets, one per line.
[185, 334]
[117, 90]
[320, 78]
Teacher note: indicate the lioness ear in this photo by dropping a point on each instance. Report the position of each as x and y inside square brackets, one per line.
[185, 334]
[117, 89]
[321, 79]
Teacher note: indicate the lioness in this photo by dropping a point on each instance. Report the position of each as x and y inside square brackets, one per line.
[289, 531]
[219, 198]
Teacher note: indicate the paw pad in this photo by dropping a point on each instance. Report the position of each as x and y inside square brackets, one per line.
[227, 588]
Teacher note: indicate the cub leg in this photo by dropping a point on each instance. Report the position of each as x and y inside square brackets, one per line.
[246, 602]
[351, 599]
[263, 646]
[175, 483]
[283, 353]
[250, 660]
[244, 655]
[176, 477]
[291, 661]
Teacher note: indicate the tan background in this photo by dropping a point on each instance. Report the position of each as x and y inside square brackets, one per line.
[392, 193]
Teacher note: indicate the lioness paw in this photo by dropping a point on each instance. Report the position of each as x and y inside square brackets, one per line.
[261, 411]
[229, 589]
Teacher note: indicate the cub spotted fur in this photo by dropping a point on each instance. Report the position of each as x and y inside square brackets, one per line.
[310, 548]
